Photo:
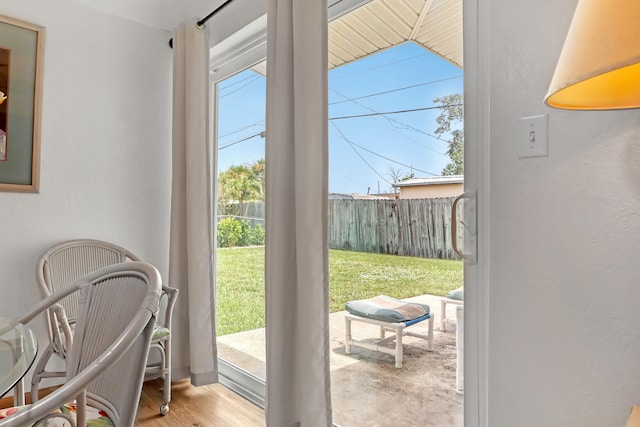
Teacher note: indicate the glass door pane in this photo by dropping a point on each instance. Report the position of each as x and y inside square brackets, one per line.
[384, 100]
[240, 312]
[395, 128]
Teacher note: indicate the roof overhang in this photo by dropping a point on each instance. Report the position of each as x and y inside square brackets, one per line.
[359, 28]
[436, 25]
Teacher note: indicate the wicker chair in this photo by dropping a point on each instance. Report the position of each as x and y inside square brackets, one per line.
[116, 309]
[70, 260]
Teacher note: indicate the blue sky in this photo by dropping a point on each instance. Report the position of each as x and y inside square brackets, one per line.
[363, 150]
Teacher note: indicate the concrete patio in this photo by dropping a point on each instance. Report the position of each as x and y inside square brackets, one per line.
[367, 389]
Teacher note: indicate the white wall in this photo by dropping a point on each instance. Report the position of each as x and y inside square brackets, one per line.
[105, 158]
[564, 338]
[564, 341]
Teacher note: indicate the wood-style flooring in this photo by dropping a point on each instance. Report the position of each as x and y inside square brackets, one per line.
[205, 406]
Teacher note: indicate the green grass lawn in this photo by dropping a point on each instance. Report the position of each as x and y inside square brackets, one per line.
[352, 275]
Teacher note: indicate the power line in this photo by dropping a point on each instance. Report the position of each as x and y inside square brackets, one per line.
[409, 127]
[394, 161]
[240, 88]
[241, 129]
[395, 112]
[384, 157]
[241, 140]
[382, 65]
[360, 155]
[350, 117]
[235, 83]
[395, 90]
[405, 126]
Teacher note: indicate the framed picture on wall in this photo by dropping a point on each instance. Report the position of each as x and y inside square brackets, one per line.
[21, 58]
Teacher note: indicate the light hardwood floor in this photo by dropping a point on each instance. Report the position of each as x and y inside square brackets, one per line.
[206, 406]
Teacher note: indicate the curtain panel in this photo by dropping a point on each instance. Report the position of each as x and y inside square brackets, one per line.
[191, 248]
[297, 319]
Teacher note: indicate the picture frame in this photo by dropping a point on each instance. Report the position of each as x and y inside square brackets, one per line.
[21, 63]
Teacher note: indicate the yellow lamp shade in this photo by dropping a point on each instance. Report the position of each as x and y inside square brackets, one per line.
[599, 67]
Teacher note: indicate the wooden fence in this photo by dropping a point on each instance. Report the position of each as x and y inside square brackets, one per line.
[415, 227]
[411, 227]
[253, 212]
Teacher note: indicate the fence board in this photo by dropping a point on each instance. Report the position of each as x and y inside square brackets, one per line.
[416, 227]
[412, 227]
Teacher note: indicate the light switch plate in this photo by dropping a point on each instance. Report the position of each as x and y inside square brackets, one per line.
[533, 140]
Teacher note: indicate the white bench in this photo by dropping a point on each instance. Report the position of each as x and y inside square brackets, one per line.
[399, 329]
[443, 311]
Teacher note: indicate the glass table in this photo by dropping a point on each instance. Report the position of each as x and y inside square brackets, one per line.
[18, 348]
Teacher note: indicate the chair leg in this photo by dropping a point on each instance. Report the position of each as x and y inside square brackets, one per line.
[37, 373]
[163, 369]
[166, 380]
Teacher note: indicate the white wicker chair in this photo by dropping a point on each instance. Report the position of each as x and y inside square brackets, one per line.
[116, 309]
[66, 262]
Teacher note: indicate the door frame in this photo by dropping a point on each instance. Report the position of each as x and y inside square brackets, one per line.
[476, 31]
[247, 47]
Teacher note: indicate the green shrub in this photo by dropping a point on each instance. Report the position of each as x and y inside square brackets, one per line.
[255, 235]
[232, 232]
[244, 233]
[229, 232]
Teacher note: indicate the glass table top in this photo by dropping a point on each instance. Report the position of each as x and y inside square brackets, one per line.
[18, 348]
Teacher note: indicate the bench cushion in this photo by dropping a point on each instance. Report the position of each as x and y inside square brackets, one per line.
[387, 309]
[457, 294]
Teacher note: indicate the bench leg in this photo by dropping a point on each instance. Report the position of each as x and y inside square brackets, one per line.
[347, 337]
[443, 315]
[430, 339]
[399, 347]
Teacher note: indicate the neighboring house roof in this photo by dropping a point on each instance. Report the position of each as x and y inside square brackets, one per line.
[345, 196]
[435, 180]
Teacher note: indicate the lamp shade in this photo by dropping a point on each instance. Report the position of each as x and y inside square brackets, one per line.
[599, 67]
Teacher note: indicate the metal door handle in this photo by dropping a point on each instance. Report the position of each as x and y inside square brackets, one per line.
[471, 257]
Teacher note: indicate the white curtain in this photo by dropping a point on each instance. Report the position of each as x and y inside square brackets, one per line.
[298, 378]
[191, 251]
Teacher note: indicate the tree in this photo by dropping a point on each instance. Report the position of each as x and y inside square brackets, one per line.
[450, 124]
[397, 175]
[241, 183]
[258, 171]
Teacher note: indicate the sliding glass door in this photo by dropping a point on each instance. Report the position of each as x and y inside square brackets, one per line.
[240, 310]
[387, 89]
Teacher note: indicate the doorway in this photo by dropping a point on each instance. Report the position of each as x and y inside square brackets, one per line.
[252, 60]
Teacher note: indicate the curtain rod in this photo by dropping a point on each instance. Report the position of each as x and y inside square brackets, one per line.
[201, 22]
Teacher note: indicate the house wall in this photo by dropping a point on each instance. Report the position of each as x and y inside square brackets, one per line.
[564, 336]
[430, 191]
[105, 158]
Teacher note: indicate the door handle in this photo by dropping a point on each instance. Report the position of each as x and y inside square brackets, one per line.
[468, 222]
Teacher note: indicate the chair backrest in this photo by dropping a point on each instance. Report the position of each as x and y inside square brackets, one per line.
[117, 306]
[72, 259]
